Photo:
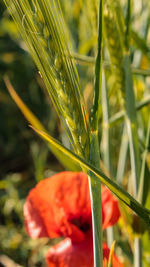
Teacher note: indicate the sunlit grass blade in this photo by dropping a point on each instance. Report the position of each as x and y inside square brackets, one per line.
[105, 144]
[95, 191]
[95, 110]
[114, 187]
[140, 43]
[32, 119]
[131, 124]
[105, 128]
[120, 115]
[89, 60]
[132, 127]
[144, 176]
[83, 59]
[106, 148]
[95, 186]
[24, 109]
[110, 261]
[122, 155]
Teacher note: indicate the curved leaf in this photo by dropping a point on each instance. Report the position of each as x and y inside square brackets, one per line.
[114, 187]
[65, 161]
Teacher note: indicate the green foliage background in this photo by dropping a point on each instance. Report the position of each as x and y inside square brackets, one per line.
[25, 159]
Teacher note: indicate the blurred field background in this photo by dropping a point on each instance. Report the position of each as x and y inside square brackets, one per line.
[24, 158]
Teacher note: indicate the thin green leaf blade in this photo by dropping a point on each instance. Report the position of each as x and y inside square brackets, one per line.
[114, 187]
[110, 261]
[144, 176]
[32, 119]
[95, 186]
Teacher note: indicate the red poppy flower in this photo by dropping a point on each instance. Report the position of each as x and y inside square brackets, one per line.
[66, 254]
[60, 206]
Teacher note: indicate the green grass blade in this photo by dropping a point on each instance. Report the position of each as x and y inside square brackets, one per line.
[131, 125]
[96, 203]
[88, 60]
[128, 24]
[122, 155]
[95, 188]
[119, 115]
[94, 117]
[141, 72]
[114, 187]
[140, 43]
[143, 176]
[106, 148]
[110, 261]
[132, 129]
[105, 128]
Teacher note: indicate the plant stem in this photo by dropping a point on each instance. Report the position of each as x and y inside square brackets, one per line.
[95, 186]
[122, 155]
[96, 204]
[141, 191]
[130, 108]
[88, 60]
[106, 145]
[94, 117]
[105, 128]
[137, 252]
[131, 124]
[119, 115]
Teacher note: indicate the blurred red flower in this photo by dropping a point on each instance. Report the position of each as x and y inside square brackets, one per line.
[60, 206]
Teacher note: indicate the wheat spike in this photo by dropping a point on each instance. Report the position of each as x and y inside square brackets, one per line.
[114, 29]
[41, 25]
[92, 7]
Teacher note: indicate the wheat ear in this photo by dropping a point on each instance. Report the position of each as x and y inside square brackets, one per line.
[41, 26]
[114, 29]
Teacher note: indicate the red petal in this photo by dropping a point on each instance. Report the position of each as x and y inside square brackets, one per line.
[110, 208]
[66, 254]
[60, 206]
[33, 221]
[58, 202]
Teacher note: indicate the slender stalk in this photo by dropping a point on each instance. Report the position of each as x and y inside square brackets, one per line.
[142, 72]
[122, 155]
[95, 187]
[106, 145]
[128, 24]
[88, 60]
[105, 128]
[137, 252]
[94, 117]
[96, 204]
[130, 117]
[121, 114]
[131, 124]
[141, 191]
